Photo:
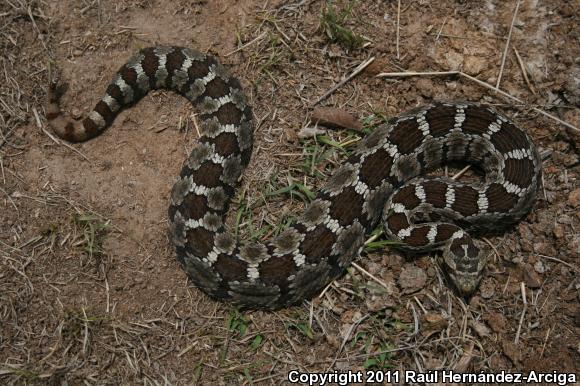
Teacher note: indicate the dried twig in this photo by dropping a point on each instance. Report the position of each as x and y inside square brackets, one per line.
[524, 72]
[491, 245]
[398, 27]
[39, 34]
[4, 138]
[545, 341]
[415, 73]
[507, 44]
[441, 29]
[365, 272]
[86, 331]
[259, 37]
[9, 199]
[356, 71]
[561, 262]
[461, 172]
[523, 290]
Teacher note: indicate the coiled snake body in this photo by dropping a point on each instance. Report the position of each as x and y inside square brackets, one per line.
[380, 179]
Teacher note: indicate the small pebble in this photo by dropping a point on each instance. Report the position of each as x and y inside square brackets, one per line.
[558, 231]
[531, 277]
[540, 267]
[574, 198]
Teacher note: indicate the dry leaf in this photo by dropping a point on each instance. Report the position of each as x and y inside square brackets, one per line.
[463, 363]
[480, 329]
[334, 117]
[432, 322]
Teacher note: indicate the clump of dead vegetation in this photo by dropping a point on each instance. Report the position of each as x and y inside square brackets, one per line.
[334, 23]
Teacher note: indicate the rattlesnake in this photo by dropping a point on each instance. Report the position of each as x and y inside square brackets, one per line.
[380, 179]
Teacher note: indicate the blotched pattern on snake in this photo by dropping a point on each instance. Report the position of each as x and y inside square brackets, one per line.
[384, 179]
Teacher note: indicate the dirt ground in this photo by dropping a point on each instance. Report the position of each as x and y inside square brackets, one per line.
[90, 290]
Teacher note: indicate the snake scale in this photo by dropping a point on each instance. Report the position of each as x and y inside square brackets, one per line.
[383, 180]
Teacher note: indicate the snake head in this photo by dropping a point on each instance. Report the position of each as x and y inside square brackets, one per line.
[464, 263]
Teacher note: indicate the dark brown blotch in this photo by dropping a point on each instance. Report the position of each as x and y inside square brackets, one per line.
[129, 75]
[200, 241]
[199, 69]
[444, 232]
[418, 236]
[406, 136]
[226, 144]
[69, 132]
[317, 244]
[375, 168]
[477, 120]
[407, 197]
[208, 174]
[277, 269]
[150, 64]
[396, 222]
[465, 200]
[508, 138]
[519, 172]
[435, 193]
[91, 129]
[229, 114]
[103, 109]
[441, 120]
[231, 268]
[194, 206]
[217, 88]
[499, 200]
[346, 206]
[115, 92]
[174, 62]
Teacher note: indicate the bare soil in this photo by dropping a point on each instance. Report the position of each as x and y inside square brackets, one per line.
[90, 290]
